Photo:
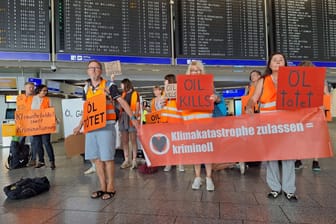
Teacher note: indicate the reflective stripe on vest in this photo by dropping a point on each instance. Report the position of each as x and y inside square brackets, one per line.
[170, 113]
[197, 115]
[110, 111]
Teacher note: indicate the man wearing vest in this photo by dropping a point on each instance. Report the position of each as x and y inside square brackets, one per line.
[23, 102]
[100, 143]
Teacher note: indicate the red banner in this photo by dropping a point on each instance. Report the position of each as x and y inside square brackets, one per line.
[194, 91]
[94, 113]
[300, 87]
[279, 135]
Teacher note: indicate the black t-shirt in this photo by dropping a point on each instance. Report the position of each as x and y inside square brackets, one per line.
[114, 92]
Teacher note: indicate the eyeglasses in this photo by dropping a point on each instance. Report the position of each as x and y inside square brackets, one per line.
[94, 68]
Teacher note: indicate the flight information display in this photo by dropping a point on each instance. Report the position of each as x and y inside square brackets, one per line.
[222, 29]
[24, 30]
[305, 30]
[104, 29]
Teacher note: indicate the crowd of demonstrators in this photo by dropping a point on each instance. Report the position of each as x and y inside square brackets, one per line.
[100, 143]
[127, 129]
[265, 93]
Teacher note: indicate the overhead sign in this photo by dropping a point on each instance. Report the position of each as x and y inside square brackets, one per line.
[36, 81]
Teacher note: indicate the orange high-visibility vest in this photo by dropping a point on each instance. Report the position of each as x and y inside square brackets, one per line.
[170, 113]
[45, 103]
[327, 106]
[134, 100]
[245, 99]
[24, 102]
[268, 96]
[110, 110]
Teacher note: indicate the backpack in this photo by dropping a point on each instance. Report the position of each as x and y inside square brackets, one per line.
[220, 108]
[18, 155]
[27, 187]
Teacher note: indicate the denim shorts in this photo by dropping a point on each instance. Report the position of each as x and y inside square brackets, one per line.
[100, 144]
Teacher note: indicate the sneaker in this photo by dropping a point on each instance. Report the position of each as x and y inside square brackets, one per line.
[242, 167]
[167, 168]
[134, 164]
[181, 168]
[125, 164]
[291, 197]
[52, 165]
[32, 163]
[92, 169]
[39, 165]
[209, 184]
[316, 166]
[197, 183]
[298, 164]
[274, 194]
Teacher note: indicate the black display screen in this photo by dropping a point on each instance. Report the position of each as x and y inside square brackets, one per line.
[304, 30]
[105, 27]
[24, 26]
[227, 29]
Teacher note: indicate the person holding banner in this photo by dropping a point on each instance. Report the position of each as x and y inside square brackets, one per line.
[170, 113]
[100, 143]
[197, 68]
[41, 101]
[266, 93]
[126, 127]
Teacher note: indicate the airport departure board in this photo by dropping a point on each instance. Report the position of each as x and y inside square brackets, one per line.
[104, 27]
[227, 29]
[24, 26]
[305, 30]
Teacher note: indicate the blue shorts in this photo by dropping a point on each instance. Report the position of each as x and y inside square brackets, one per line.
[100, 144]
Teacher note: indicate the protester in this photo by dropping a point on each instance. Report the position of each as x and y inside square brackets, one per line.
[265, 93]
[100, 143]
[197, 68]
[127, 130]
[41, 101]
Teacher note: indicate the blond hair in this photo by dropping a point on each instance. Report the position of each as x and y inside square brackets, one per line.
[199, 64]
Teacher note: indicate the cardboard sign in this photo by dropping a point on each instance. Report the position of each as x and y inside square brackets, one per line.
[170, 91]
[300, 87]
[72, 110]
[113, 68]
[74, 145]
[194, 91]
[260, 137]
[154, 117]
[35, 122]
[94, 113]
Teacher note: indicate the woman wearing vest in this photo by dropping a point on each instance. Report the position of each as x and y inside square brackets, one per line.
[126, 128]
[197, 68]
[265, 93]
[171, 114]
[41, 101]
[255, 75]
[100, 143]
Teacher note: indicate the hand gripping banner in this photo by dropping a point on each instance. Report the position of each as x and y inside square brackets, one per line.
[281, 135]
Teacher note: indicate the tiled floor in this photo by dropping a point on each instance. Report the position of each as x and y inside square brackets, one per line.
[167, 197]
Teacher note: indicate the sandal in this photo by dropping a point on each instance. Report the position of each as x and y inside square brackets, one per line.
[97, 194]
[107, 195]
